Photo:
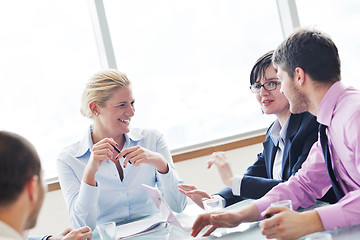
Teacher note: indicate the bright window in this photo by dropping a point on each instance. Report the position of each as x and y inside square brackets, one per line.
[340, 20]
[190, 63]
[48, 52]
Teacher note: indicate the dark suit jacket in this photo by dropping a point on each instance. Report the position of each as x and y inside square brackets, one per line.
[301, 134]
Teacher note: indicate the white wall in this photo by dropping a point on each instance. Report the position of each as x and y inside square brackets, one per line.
[54, 216]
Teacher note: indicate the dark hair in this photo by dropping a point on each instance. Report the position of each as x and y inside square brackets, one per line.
[311, 50]
[260, 67]
[19, 162]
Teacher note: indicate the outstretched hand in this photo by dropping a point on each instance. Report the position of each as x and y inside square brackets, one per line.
[224, 219]
[194, 194]
[215, 220]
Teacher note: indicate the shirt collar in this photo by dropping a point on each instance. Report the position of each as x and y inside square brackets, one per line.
[277, 132]
[328, 103]
[9, 232]
[86, 143]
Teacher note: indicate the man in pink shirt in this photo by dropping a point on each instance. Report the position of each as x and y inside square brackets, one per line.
[308, 67]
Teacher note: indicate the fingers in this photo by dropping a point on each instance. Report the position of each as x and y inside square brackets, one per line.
[217, 158]
[201, 222]
[273, 226]
[66, 231]
[271, 211]
[130, 154]
[85, 229]
[183, 191]
[83, 233]
[103, 155]
[210, 163]
[270, 227]
[105, 150]
[186, 187]
[209, 231]
[138, 155]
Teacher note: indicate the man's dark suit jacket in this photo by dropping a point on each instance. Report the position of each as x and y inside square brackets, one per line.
[301, 134]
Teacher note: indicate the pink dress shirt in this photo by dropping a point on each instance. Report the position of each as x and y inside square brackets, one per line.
[340, 111]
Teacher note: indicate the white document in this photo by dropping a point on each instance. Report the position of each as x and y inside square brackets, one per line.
[140, 227]
[166, 212]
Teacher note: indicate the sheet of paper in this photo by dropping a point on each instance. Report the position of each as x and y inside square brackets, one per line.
[142, 226]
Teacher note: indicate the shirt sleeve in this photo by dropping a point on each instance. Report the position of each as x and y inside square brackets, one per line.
[236, 184]
[168, 183]
[346, 211]
[45, 237]
[308, 184]
[81, 198]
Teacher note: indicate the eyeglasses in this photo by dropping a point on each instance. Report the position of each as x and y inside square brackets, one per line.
[268, 86]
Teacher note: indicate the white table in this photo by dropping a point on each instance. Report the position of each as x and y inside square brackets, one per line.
[245, 231]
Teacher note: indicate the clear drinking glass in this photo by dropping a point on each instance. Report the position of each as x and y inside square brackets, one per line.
[107, 231]
[283, 203]
[319, 236]
[213, 204]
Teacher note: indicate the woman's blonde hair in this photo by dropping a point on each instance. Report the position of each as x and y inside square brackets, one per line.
[100, 88]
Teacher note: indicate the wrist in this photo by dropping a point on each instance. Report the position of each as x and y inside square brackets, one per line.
[89, 176]
[250, 213]
[313, 217]
[89, 179]
[229, 181]
[163, 169]
[162, 165]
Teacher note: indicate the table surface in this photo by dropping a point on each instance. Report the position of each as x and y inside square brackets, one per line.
[245, 231]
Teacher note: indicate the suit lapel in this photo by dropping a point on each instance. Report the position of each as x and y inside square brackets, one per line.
[270, 149]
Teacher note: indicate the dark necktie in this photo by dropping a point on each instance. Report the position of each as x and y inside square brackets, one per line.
[325, 147]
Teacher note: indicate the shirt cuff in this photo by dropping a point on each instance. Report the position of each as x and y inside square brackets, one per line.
[46, 237]
[169, 179]
[236, 184]
[88, 195]
[262, 204]
[331, 217]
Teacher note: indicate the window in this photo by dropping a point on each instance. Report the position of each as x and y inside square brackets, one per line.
[190, 62]
[48, 52]
[338, 19]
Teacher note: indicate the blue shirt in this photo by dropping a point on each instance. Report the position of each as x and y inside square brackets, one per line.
[112, 199]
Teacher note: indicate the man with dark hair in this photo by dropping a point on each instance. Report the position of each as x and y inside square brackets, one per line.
[308, 67]
[22, 190]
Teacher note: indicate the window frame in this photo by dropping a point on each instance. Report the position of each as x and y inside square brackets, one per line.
[289, 20]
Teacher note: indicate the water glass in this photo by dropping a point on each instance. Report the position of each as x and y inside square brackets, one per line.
[213, 204]
[319, 236]
[283, 203]
[107, 231]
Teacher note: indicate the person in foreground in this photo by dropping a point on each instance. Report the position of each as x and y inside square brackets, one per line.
[308, 67]
[22, 191]
[287, 144]
[101, 185]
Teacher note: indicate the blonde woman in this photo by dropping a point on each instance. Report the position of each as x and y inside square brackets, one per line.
[99, 183]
